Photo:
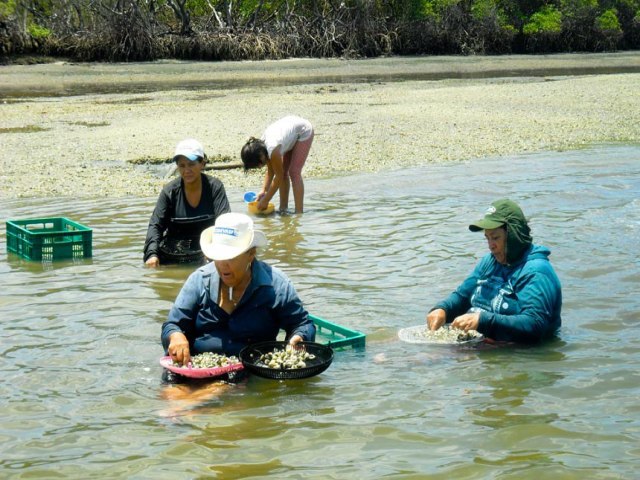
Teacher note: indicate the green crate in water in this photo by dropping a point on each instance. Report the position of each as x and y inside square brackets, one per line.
[48, 239]
[336, 336]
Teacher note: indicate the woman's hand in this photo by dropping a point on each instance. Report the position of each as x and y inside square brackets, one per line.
[468, 321]
[263, 203]
[295, 340]
[152, 261]
[179, 348]
[436, 318]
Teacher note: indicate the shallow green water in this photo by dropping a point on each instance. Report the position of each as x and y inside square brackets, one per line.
[81, 392]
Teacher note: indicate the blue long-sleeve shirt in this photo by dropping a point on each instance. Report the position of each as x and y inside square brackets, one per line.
[269, 304]
[519, 303]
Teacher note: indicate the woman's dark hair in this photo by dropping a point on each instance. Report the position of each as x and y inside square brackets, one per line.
[252, 153]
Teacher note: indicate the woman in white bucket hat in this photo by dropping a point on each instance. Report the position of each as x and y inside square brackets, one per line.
[235, 300]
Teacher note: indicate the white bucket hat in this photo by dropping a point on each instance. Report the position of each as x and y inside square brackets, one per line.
[232, 235]
[189, 148]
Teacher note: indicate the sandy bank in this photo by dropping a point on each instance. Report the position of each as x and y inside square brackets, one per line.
[366, 119]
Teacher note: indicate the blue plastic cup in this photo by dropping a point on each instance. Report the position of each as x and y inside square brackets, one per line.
[250, 197]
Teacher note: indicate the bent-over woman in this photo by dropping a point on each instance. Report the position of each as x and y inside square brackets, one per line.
[283, 149]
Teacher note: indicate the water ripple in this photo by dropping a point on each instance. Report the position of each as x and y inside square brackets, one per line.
[80, 340]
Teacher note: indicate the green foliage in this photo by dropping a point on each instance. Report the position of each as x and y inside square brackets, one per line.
[547, 20]
[582, 12]
[487, 9]
[433, 9]
[518, 12]
[577, 5]
[406, 9]
[629, 4]
[38, 32]
[248, 7]
[481, 9]
[44, 8]
[626, 10]
[608, 21]
[198, 8]
[279, 28]
[7, 8]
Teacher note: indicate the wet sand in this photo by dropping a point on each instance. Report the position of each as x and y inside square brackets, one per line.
[74, 130]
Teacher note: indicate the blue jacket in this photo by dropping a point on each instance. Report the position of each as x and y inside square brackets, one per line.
[269, 303]
[519, 302]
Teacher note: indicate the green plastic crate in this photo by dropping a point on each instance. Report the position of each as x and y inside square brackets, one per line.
[48, 239]
[335, 335]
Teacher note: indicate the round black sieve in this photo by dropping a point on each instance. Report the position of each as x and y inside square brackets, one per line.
[250, 358]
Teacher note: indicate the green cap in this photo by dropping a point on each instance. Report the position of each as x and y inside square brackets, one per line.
[501, 212]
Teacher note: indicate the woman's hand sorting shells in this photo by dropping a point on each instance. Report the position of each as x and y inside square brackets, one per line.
[436, 318]
[179, 348]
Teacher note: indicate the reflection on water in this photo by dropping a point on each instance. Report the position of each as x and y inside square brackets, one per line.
[80, 340]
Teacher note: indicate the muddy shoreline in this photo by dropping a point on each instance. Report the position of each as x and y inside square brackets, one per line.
[77, 129]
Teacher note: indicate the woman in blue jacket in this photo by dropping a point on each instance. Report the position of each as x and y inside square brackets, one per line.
[513, 294]
[234, 301]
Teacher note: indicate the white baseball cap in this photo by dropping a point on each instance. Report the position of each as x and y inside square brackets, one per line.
[232, 235]
[190, 149]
